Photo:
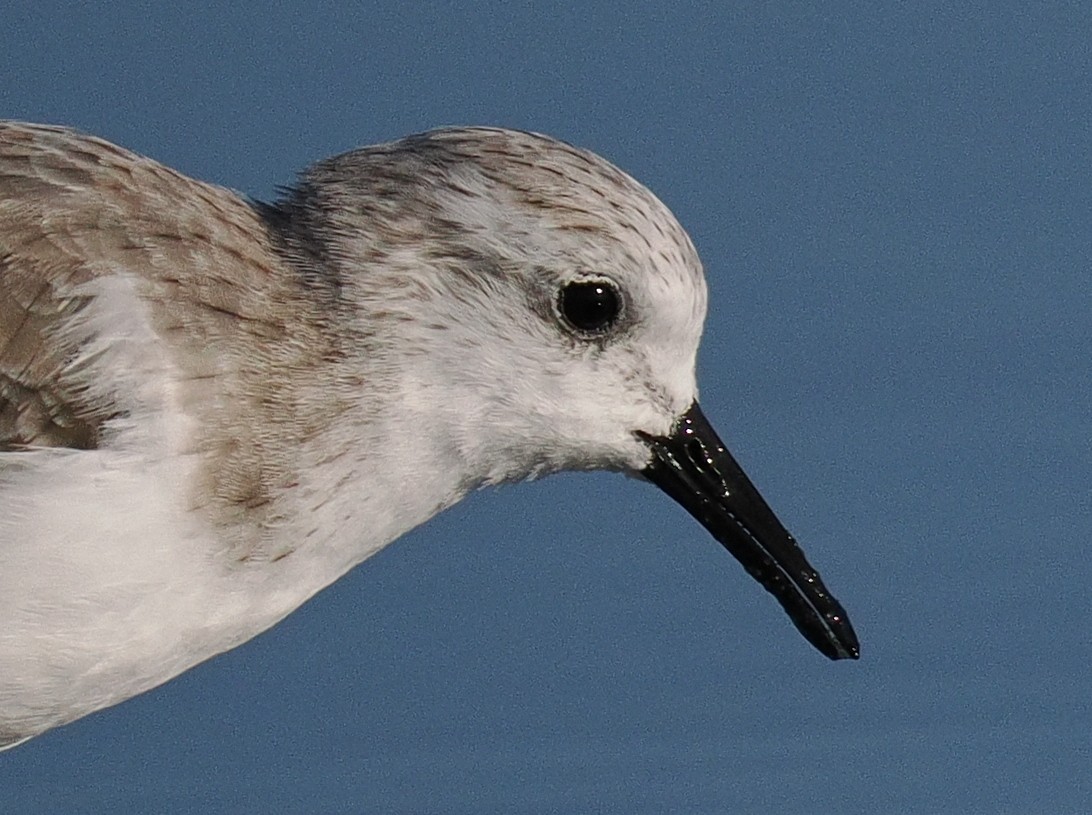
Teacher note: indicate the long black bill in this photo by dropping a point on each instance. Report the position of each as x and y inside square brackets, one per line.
[693, 467]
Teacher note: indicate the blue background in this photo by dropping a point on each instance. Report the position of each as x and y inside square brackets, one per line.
[894, 209]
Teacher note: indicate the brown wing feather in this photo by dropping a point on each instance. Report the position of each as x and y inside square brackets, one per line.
[252, 348]
[39, 404]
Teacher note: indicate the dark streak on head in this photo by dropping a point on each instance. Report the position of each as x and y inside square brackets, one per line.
[296, 225]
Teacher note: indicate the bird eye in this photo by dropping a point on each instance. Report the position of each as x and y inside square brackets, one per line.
[590, 306]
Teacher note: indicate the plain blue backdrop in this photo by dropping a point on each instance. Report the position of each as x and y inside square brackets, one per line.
[893, 206]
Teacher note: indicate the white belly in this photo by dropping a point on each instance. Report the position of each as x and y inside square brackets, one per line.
[103, 576]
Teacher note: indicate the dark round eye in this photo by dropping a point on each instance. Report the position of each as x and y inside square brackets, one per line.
[590, 306]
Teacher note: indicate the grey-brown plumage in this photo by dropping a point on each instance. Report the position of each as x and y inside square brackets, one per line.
[212, 408]
[247, 296]
[241, 330]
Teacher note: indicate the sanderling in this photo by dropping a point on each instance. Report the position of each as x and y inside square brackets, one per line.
[211, 408]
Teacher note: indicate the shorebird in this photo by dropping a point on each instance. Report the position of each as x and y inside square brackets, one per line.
[213, 407]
